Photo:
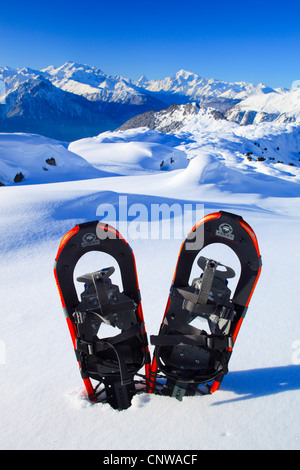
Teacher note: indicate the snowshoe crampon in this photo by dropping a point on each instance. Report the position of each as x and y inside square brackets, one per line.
[110, 362]
[189, 360]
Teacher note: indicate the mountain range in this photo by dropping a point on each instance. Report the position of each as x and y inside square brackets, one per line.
[74, 101]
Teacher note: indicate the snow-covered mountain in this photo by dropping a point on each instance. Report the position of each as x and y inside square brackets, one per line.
[75, 100]
[68, 102]
[241, 102]
[37, 106]
[187, 86]
[184, 86]
[95, 85]
[171, 119]
[283, 106]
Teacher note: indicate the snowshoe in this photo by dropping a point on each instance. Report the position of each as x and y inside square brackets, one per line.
[188, 360]
[113, 362]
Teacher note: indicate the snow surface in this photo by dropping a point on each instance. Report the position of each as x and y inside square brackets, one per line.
[28, 154]
[43, 403]
[132, 151]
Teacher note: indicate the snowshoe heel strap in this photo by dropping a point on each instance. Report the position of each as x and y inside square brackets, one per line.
[91, 348]
[190, 335]
[207, 342]
[191, 303]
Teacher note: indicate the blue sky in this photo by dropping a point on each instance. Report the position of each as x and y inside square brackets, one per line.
[254, 41]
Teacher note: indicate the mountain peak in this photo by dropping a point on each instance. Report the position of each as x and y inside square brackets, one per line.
[71, 68]
[186, 74]
[142, 80]
[71, 65]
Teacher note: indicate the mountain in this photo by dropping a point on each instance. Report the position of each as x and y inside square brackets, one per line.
[93, 84]
[171, 119]
[180, 88]
[37, 106]
[186, 86]
[241, 102]
[68, 102]
[279, 107]
[74, 101]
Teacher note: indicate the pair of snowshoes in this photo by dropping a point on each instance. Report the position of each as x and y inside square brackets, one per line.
[186, 360]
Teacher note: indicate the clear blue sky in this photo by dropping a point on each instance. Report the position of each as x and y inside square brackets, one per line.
[254, 41]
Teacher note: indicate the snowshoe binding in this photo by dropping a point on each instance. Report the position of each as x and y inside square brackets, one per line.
[112, 362]
[188, 360]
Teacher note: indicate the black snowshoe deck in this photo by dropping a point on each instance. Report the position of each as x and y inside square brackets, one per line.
[185, 356]
[112, 361]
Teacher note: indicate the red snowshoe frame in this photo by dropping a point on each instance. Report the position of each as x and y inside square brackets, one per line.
[115, 361]
[233, 231]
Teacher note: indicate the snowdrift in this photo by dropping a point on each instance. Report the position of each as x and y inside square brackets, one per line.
[40, 160]
[130, 152]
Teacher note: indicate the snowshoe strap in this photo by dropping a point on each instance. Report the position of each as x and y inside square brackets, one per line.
[207, 280]
[106, 311]
[191, 303]
[207, 342]
[91, 348]
[192, 336]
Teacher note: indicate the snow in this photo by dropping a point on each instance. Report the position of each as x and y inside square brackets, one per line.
[131, 151]
[43, 403]
[276, 106]
[28, 154]
[287, 102]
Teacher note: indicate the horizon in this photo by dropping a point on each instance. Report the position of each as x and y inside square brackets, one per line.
[100, 69]
[295, 83]
[253, 42]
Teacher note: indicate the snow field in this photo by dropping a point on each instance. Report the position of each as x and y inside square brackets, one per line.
[43, 404]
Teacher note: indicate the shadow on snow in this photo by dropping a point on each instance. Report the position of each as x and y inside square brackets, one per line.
[257, 383]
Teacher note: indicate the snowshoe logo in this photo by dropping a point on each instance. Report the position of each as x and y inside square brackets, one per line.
[225, 231]
[89, 239]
